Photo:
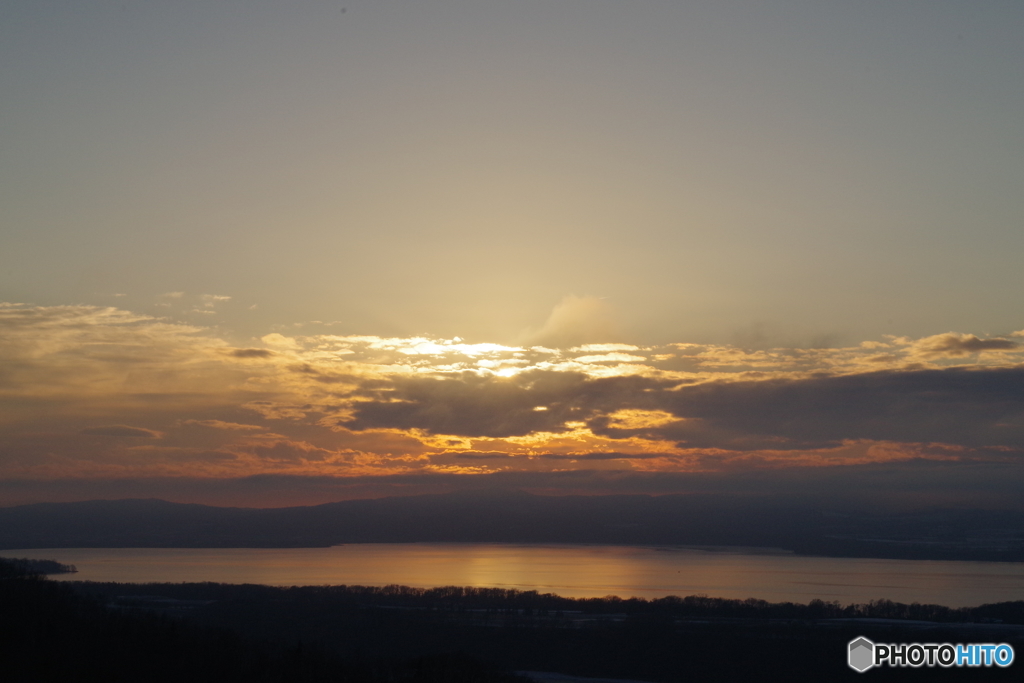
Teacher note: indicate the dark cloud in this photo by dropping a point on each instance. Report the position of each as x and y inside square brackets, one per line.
[978, 407]
[482, 455]
[122, 430]
[290, 451]
[604, 456]
[970, 407]
[320, 376]
[471, 405]
[252, 353]
[962, 344]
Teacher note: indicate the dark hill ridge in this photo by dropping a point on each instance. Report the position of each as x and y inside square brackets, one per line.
[516, 517]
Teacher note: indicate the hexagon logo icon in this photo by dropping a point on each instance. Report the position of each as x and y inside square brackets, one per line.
[861, 654]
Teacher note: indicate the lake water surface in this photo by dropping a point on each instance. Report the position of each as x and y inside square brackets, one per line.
[569, 570]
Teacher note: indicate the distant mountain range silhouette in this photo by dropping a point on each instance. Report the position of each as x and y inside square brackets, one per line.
[517, 517]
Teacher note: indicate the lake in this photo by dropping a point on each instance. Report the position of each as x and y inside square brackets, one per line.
[568, 570]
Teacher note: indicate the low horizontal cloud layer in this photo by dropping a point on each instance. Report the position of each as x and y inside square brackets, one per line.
[953, 344]
[105, 394]
[122, 430]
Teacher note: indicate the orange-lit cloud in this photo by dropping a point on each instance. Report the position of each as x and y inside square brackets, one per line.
[103, 392]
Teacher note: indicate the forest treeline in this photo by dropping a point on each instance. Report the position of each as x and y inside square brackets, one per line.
[27, 566]
[508, 601]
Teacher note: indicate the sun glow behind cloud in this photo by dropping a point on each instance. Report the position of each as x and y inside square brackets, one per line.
[101, 392]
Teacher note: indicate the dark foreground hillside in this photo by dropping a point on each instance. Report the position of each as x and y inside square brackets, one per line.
[259, 633]
[70, 632]
[50, 633]
[670, 639]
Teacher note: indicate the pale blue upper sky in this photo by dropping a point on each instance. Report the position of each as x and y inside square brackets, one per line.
[760, 172]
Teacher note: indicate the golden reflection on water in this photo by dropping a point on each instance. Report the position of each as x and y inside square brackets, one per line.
[569, 570]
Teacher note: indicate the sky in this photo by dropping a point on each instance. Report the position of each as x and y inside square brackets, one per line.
[266, 253]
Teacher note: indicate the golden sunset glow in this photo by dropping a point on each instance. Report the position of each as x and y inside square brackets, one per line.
[417, 247]
[135, 396]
